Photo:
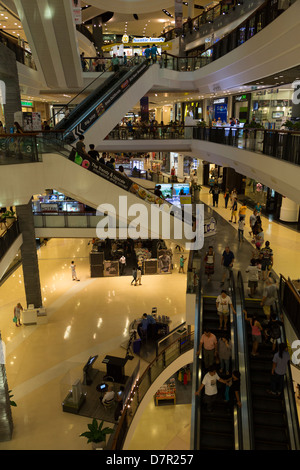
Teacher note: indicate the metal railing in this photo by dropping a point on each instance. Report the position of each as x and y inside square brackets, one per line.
[258, 20]
[22, 55]
[8, 238]
[163, 360]
[207, 16]
[248, 401]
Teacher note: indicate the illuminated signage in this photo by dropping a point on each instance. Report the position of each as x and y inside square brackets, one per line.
[220, 100]
[27, 104]
[148, 40]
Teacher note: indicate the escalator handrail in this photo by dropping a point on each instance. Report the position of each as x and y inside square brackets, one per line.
[74, 98]
[289, 396]
[197, 369]
[235, 360]
[247, 362]
[108, 90]
[107, 69]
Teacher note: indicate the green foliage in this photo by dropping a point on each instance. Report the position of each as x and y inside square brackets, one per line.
[254, 125]
[12, 403]
[96, 433]
[201, 124]
[292, 126]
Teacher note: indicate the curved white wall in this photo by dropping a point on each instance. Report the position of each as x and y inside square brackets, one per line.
[183, 360]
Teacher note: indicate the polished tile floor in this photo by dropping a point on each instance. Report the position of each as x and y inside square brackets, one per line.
[84, 318]
[92, 317]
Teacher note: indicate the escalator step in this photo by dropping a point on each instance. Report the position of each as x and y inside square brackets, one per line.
[271, 435]
[216, 442]
[273, 419]
[217, 426]
[271, 446]
[274, 406]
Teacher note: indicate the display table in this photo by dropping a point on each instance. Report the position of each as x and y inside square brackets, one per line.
[166, 392]
[34, 316]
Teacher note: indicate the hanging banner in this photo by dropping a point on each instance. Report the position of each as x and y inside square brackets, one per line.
[144, 102]
[36, 122]
[178, 15]
[77, 15]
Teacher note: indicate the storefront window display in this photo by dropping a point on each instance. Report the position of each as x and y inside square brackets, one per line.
[272, 108]
[256, 191]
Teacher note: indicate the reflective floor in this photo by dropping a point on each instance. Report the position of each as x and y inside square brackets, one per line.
[92, 317]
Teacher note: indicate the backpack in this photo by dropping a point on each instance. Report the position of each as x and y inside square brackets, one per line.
[275, 331]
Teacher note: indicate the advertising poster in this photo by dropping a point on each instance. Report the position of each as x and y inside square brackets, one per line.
[36, 122]
[76, 11]
[178, 15]
[27, 122]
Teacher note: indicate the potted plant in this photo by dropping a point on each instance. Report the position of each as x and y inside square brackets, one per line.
[97, 434]
[196, 188]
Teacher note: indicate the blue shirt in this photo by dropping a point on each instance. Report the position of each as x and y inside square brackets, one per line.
[153, 51]
[147, 52]
[147, 321]
[227, 258]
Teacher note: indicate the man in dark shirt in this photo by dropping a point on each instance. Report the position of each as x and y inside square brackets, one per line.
[232, 395]
[93, 153]
[227, 262]
[80, 146]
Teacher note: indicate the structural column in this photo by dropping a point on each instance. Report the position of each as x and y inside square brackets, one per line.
[191, 9]
[29, 256]
[289, 211]
[180, 172]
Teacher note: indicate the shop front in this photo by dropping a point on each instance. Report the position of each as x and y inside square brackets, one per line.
[241, 107]
[272, 107]
[220, 109]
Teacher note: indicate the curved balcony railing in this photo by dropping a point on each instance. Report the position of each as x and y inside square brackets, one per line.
[164, 359]
[280, 144]
[22, 55]
[258, 20]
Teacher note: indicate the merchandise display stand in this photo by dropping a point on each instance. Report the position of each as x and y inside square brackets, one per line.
[166, 392]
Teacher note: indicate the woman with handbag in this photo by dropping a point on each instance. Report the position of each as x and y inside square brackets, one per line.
[17, 314]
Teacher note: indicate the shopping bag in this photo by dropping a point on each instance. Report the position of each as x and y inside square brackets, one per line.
[15, 319]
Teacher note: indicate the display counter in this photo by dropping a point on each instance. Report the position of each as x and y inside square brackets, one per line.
[166, 392]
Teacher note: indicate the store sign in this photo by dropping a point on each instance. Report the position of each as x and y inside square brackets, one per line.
[125, 39]
[51, 207]
[147, 40]
[27, 104]
[220, 100]
[241, 98]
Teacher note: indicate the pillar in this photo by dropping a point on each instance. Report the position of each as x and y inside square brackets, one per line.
[98, 32]
[29, 256]
[289, 211]
[191, 9]
[180, 166]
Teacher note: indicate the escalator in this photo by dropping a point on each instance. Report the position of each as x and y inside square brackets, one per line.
[99, 100]
[270, 425]
[216, 427]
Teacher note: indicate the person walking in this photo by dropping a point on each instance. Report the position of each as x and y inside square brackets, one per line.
[73, 271]
[209, 260]
[225, 352]
[215, 190]
[241, 227]
[279, 368]
[252, 221]
[224, 304]
[134, 275]
[253, 271]
[209, 383]
[256, 330]
[269, 297]
[266, 257]
[154, 53]
[122, 262]
[17, 314]
[227, 263]
[242, 211]
[233, 210]
[209, 345]
[226, 197]
[181, 264]
[138, 276]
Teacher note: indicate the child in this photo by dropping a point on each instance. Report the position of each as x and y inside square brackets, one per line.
[234, 210]
[209, 263]
[241, 227]
[73, 270]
